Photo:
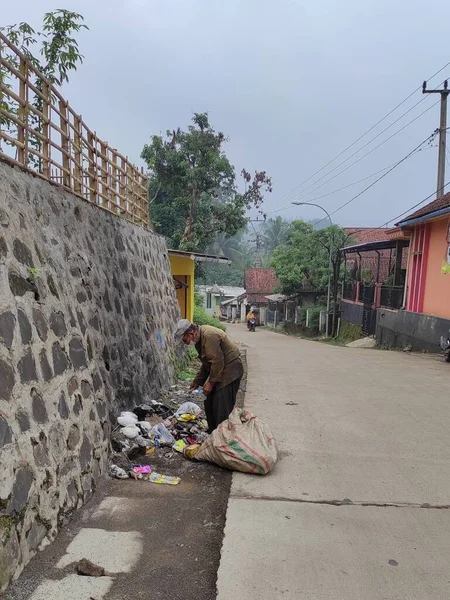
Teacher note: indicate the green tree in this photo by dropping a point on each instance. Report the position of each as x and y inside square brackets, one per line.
[304, 259]
[193, 186]
[238, 250]
[53, 51]
[274, 233]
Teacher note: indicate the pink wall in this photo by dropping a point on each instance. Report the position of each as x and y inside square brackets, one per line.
[436, 300]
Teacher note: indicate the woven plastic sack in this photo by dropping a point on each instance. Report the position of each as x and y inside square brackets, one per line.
[241, 443]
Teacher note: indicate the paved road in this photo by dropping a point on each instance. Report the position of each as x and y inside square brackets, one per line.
[358, 506]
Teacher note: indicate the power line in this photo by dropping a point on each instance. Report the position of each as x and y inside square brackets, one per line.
[367, 132]
[360, 158]
[416, 149]
[339, 189]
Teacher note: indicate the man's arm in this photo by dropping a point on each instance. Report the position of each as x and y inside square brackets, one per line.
[201, 377]
[214, 355]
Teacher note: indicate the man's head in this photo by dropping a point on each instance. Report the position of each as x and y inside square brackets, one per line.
[185, 332]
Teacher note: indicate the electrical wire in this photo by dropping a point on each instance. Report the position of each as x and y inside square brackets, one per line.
[360, 158]
[368, 131]
[416, 149]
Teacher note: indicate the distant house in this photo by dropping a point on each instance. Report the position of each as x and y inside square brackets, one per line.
[258, 283]
[215, 296]
[182, 266]
[426, 314]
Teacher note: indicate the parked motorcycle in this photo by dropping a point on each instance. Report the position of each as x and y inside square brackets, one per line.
[252, 325]
[445, 347]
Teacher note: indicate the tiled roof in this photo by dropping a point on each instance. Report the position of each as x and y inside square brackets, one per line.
[260, 281]
[365, 235]
[438, 204]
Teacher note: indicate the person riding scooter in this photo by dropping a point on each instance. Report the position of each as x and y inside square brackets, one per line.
[250, 317]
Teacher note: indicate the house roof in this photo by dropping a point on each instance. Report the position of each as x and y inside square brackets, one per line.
[365, 235]
[378, 245]
[199, 257]
[228, 291]
[260, 281]
[440, 204]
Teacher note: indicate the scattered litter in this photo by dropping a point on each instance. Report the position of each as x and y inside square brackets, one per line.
[241, 443]
[163, 479]
[159, 430]
[191, 451]
[189, 408]
[117, 472]
[188, 418]
[180, 445]
[131, 431]
[88, 569]
[163, 435]
[142, 469]
[145, 426]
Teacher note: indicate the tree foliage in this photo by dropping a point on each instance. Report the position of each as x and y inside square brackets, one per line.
[238, 250]
[274, 234]
[303, 261]
[53, 51]
[193, 186]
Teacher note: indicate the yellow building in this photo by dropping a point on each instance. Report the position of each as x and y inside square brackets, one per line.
[182, 266]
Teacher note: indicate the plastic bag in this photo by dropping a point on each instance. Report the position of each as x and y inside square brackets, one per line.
[188, 408]
[131, 432]
[144, 469]
[187, 418]
[241, 443]
[127, 419]
[164, 436]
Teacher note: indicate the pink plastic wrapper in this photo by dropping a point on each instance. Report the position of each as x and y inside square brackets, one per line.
[143, 470]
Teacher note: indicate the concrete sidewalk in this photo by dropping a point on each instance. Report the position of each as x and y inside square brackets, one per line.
[357, 506]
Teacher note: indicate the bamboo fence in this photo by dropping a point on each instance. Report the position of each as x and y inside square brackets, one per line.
[40, 132]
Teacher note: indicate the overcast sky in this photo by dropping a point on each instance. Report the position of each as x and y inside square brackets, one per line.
[291, 82]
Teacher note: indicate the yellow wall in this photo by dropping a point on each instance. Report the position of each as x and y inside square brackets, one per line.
[437, 284]
[183, 267]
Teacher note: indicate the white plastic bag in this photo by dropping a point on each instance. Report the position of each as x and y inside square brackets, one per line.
[145, 426]
[241, 443]
[188, 408]
[130, 432]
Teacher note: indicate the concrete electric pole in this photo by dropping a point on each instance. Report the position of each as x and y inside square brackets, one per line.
[442, 135]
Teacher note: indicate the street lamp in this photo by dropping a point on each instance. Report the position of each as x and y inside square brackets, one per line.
[330, 266]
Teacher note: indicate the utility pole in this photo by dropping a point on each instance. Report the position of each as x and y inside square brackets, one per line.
[442, 134]
[257, 241]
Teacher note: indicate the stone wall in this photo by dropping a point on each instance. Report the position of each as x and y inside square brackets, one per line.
[87, 309]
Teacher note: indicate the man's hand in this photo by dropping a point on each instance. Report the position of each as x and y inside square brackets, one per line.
[208, 388]
[193, 386]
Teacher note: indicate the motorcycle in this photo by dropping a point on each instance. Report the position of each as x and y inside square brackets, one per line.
[445, 347]
[252, 324]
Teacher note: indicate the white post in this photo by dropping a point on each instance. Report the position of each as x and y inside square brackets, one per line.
[307, 317]
[275, 320]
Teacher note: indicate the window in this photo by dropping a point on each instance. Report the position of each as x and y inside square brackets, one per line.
[208, 300]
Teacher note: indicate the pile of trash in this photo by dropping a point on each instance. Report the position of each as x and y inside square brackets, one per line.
[241, 443]
[152, 426]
